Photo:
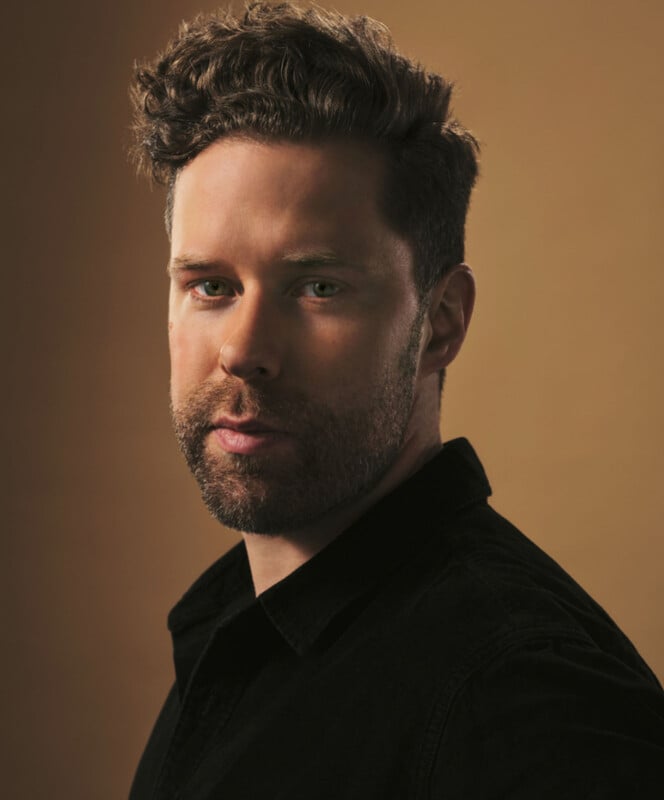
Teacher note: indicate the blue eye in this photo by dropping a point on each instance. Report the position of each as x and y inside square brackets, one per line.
[212, 288]
[320, 289]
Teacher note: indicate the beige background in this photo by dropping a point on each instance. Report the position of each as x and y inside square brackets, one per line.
[559, 386]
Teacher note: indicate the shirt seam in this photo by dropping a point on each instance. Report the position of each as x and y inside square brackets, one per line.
[478, 659]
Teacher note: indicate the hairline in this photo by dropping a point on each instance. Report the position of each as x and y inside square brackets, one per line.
[379, 149]
[250, 135]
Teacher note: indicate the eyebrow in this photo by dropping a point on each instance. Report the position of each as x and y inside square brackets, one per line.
[317, 259]
[192, 264]
[296, 258]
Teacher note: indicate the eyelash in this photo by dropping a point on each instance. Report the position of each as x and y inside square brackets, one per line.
[209, 298]
[323, 282]
[222, 284]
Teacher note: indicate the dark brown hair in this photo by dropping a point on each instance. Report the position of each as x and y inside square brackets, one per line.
[284, 72]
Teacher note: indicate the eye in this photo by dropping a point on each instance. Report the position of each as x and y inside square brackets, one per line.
[320, 289]
[212, 287]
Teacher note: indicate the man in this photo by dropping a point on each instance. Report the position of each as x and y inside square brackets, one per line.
[380, 632]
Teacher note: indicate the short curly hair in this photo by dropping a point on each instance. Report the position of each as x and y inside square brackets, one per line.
[281, 72]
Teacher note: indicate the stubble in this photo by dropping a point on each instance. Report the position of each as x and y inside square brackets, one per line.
[337, 454]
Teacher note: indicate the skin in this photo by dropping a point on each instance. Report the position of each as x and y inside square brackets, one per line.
[286, 282]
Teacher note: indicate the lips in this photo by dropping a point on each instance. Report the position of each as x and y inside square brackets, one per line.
[244, 425]
[246, 436]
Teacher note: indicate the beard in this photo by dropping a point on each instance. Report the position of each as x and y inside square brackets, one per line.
[337, 455]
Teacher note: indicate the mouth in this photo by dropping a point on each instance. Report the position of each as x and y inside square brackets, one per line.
[247, 435]
[245, 425]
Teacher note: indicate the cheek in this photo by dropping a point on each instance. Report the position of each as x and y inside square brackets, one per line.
[191, 361]
[349, 359]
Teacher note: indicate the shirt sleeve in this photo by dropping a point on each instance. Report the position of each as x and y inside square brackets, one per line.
[552, 719]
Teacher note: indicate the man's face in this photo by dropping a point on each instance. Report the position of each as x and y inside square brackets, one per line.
[295, 330]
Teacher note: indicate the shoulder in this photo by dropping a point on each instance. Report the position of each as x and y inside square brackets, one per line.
[539, 693]
[548, 717]
[479, 574]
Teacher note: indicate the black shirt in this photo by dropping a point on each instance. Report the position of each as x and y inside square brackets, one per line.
[430, 651]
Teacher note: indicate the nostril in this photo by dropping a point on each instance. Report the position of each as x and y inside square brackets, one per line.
[250, 350]
[246, 366]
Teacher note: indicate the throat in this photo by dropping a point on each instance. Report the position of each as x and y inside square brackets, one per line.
[273, 557]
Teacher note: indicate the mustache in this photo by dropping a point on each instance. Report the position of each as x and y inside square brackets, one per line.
[212, 399]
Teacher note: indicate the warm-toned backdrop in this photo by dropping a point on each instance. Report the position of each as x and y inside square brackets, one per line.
[559, 387]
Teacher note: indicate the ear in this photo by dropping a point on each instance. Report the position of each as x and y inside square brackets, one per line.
[450, 308]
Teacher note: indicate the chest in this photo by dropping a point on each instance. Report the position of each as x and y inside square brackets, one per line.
[355, 717]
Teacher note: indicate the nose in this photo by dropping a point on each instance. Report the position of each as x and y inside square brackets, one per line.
[251, 348]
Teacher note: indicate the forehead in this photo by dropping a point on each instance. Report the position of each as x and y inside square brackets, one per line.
[335, 162]
[262, 190]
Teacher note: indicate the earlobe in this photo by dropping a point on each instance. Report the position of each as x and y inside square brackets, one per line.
[450, 309]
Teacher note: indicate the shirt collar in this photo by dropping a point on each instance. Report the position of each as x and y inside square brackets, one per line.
[303, 605]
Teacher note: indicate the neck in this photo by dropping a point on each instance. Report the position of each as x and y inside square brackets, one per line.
[273, 558]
